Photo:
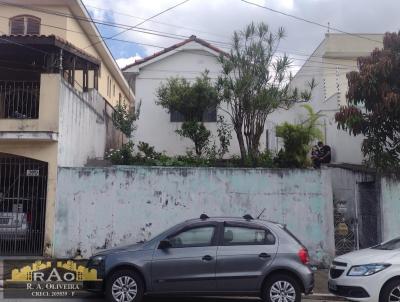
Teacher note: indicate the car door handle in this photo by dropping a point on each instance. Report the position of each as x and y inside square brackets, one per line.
[264, 255]
[207, 258]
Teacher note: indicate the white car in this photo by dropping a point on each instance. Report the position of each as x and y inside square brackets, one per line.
[371, 274]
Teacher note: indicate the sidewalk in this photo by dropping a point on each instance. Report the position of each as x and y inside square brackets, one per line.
[321, 292]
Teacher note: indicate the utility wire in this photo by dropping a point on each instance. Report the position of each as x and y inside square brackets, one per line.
[152, 32]
[162, 47]
[158, 22]
[140, 23]
[309, 21]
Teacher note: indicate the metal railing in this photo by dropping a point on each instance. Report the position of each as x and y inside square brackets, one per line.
[19, 99]
[23, 191]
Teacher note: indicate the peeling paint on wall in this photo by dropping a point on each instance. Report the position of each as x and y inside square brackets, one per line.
[105, 207]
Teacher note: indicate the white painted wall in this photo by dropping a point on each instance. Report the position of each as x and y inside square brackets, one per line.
[333, 58]
[154, 126]
[328, 65]
[82, 129]
[100, 208]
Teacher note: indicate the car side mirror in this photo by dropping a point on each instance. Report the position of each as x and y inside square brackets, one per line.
[164, 244]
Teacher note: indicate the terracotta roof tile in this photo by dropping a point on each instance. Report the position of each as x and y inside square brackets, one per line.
[175, 46]
[49, 38]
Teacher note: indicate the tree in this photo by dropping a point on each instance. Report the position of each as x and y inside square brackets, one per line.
[297, 139]
[373, 108]
[191, 100]
[254, 83]
[124, 118]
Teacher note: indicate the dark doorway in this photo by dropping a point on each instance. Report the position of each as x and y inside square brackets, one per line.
[368, 214]
[23, 191]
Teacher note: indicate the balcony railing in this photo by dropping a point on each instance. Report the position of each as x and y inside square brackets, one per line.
[19, 99]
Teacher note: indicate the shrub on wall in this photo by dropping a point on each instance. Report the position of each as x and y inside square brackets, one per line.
[297, 139]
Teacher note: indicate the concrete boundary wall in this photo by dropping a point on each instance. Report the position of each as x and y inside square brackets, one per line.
[103, 207]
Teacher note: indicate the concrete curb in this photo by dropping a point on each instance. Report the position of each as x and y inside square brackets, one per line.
[323, 297]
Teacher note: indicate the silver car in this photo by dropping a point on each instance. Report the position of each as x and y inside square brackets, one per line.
[209, 256]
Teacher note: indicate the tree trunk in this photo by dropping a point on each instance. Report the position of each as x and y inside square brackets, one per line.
[239, 135]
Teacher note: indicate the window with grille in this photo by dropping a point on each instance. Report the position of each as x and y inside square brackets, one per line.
[209, 116]
[25, 25]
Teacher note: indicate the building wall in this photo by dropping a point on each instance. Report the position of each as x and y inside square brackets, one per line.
[105, 207]
[82, 127]
[81, 133]
[76, 35]
[154, 125]
[69, 30]
[55, 24]
[328, 65]
[48, 109]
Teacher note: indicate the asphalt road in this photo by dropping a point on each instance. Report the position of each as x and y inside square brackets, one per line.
[149, 300]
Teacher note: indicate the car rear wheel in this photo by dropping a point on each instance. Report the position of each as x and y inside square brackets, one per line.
[391, 292]
[281, 288]
[124, 286]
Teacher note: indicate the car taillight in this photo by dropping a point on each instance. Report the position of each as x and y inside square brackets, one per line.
[303, 255]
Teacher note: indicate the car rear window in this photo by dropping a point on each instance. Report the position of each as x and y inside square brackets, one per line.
[290, 234]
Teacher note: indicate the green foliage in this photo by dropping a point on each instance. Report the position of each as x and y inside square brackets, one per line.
[192, 100]
[196, 132]
[224, 132]
[189, 99]
[124, 118]
[265, 159]
[147, 156]
[254, 83]
[297, 141]
[148, 151]
[373, 108]
[122, 156]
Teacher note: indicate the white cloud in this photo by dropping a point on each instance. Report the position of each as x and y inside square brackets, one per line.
[122, 62]
[217, 19]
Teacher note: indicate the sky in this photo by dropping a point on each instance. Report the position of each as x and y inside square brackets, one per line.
[216, 20]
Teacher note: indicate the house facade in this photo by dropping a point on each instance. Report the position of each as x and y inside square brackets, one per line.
[187, 59]
[58, 86]
[330, 62]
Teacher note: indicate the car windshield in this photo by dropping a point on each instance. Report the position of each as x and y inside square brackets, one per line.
[393, 244]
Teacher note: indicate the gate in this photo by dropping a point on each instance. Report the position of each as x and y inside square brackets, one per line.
[368, 212]
[23, 191]
[345, 229]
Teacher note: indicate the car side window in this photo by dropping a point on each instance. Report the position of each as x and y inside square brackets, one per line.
[235, 235]
[194, 237]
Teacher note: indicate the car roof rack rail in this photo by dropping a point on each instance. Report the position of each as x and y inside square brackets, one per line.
[248, 217]
[204, 216]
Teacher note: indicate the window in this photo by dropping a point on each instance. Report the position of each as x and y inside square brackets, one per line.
[210, 116]
[247, 236]
[195, 237]
[25, 25]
